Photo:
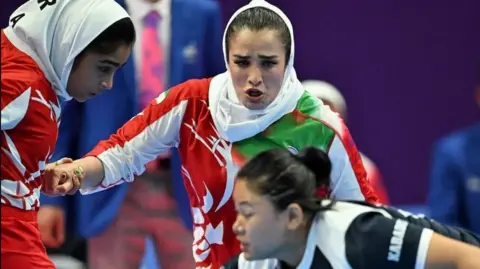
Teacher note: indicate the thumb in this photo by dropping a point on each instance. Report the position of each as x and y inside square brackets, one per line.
[51, 180]
[63, 188]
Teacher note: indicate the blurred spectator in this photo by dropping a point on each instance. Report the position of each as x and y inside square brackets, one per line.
[176, 40]
[454, 196]
[332, 97]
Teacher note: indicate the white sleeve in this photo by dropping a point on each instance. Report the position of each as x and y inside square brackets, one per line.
[348, 177]
[153, 131]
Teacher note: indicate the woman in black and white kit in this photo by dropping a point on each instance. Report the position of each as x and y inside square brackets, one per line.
[282, 224]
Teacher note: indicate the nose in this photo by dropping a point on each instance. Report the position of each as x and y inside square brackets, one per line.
[255, 76]
[107, 84]
[237, 227]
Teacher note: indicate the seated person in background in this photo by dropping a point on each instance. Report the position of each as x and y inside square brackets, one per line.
[332, 97]
[281, 223]
[454, 195]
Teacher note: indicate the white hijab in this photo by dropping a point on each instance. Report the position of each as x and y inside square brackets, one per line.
[55, 35]
[234, 121]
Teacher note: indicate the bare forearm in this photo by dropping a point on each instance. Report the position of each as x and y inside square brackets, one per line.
[446, 253]
[94, 171]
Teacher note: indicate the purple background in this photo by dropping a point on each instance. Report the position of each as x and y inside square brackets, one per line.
[407, 69]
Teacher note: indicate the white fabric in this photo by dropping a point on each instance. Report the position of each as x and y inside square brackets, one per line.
[138, 10]
[55, 35]
[66, 262]
[234, 121]
[326, 91]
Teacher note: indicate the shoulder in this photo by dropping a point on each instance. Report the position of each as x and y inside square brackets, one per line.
[312, 108]
[397, 242]
[19, 71]
[188, 90]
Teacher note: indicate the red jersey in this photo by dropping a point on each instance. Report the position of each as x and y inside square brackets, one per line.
[30, 119]
[376, 180]
[181, 118]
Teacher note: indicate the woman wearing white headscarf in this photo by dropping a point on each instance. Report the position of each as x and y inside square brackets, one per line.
[52, 51]
[219, 123]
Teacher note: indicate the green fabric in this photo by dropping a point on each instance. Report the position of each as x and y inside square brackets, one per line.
[299, 129]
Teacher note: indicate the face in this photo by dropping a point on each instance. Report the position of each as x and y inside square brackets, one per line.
[94, 73]
[257, 66]
[261, 230]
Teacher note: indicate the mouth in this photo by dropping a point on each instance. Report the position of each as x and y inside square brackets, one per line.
[93, 94]
[244, 246]
[254, 94]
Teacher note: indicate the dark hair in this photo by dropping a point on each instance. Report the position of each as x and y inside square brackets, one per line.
[122, 32]
[288, 178]
[256, 19]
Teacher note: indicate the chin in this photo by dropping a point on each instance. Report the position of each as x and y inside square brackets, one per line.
[80, 99]
[248, 256]
[254, 256]
[254, 106]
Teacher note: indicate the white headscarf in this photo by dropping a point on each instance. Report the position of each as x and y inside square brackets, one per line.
[55, 35]
[234, 121]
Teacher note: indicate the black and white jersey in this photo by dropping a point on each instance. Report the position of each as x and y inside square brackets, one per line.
[363, 236]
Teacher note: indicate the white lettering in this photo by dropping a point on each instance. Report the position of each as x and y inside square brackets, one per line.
[396, 242]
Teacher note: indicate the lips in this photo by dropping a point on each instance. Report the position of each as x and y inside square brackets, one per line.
[254, 94]
[244, 246]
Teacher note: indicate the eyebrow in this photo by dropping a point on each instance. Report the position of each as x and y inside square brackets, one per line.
[261, 56]
[106, 61]
[245, 203]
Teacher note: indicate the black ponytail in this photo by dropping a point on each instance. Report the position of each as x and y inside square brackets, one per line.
[318, 162]
[288, 178]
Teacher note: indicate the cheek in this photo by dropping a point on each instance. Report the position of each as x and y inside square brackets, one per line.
[261, 230]
[273, 79]
[239, 76]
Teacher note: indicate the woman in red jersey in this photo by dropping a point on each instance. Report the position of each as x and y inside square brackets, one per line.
[219, 123]
[52, 51]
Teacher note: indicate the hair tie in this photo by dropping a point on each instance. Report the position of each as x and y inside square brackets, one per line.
[322, 192]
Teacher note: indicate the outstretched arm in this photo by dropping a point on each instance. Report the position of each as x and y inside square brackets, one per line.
[153, 131]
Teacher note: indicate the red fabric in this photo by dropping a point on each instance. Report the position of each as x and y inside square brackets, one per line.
[376, 181]
[22, 246]
[30, 118]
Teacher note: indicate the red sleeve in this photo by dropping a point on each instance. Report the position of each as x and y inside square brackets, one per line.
[150, 133]
[376, 180]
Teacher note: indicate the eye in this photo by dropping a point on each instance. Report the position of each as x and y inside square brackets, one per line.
[105, 69]
[246, 214]
[242, 63]
[269, 64]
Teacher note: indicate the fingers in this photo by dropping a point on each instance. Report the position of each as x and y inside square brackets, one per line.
[76, 186]
[64, 178]
[64, 188]
[64, 161]
[50, 180]
[71, 184]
